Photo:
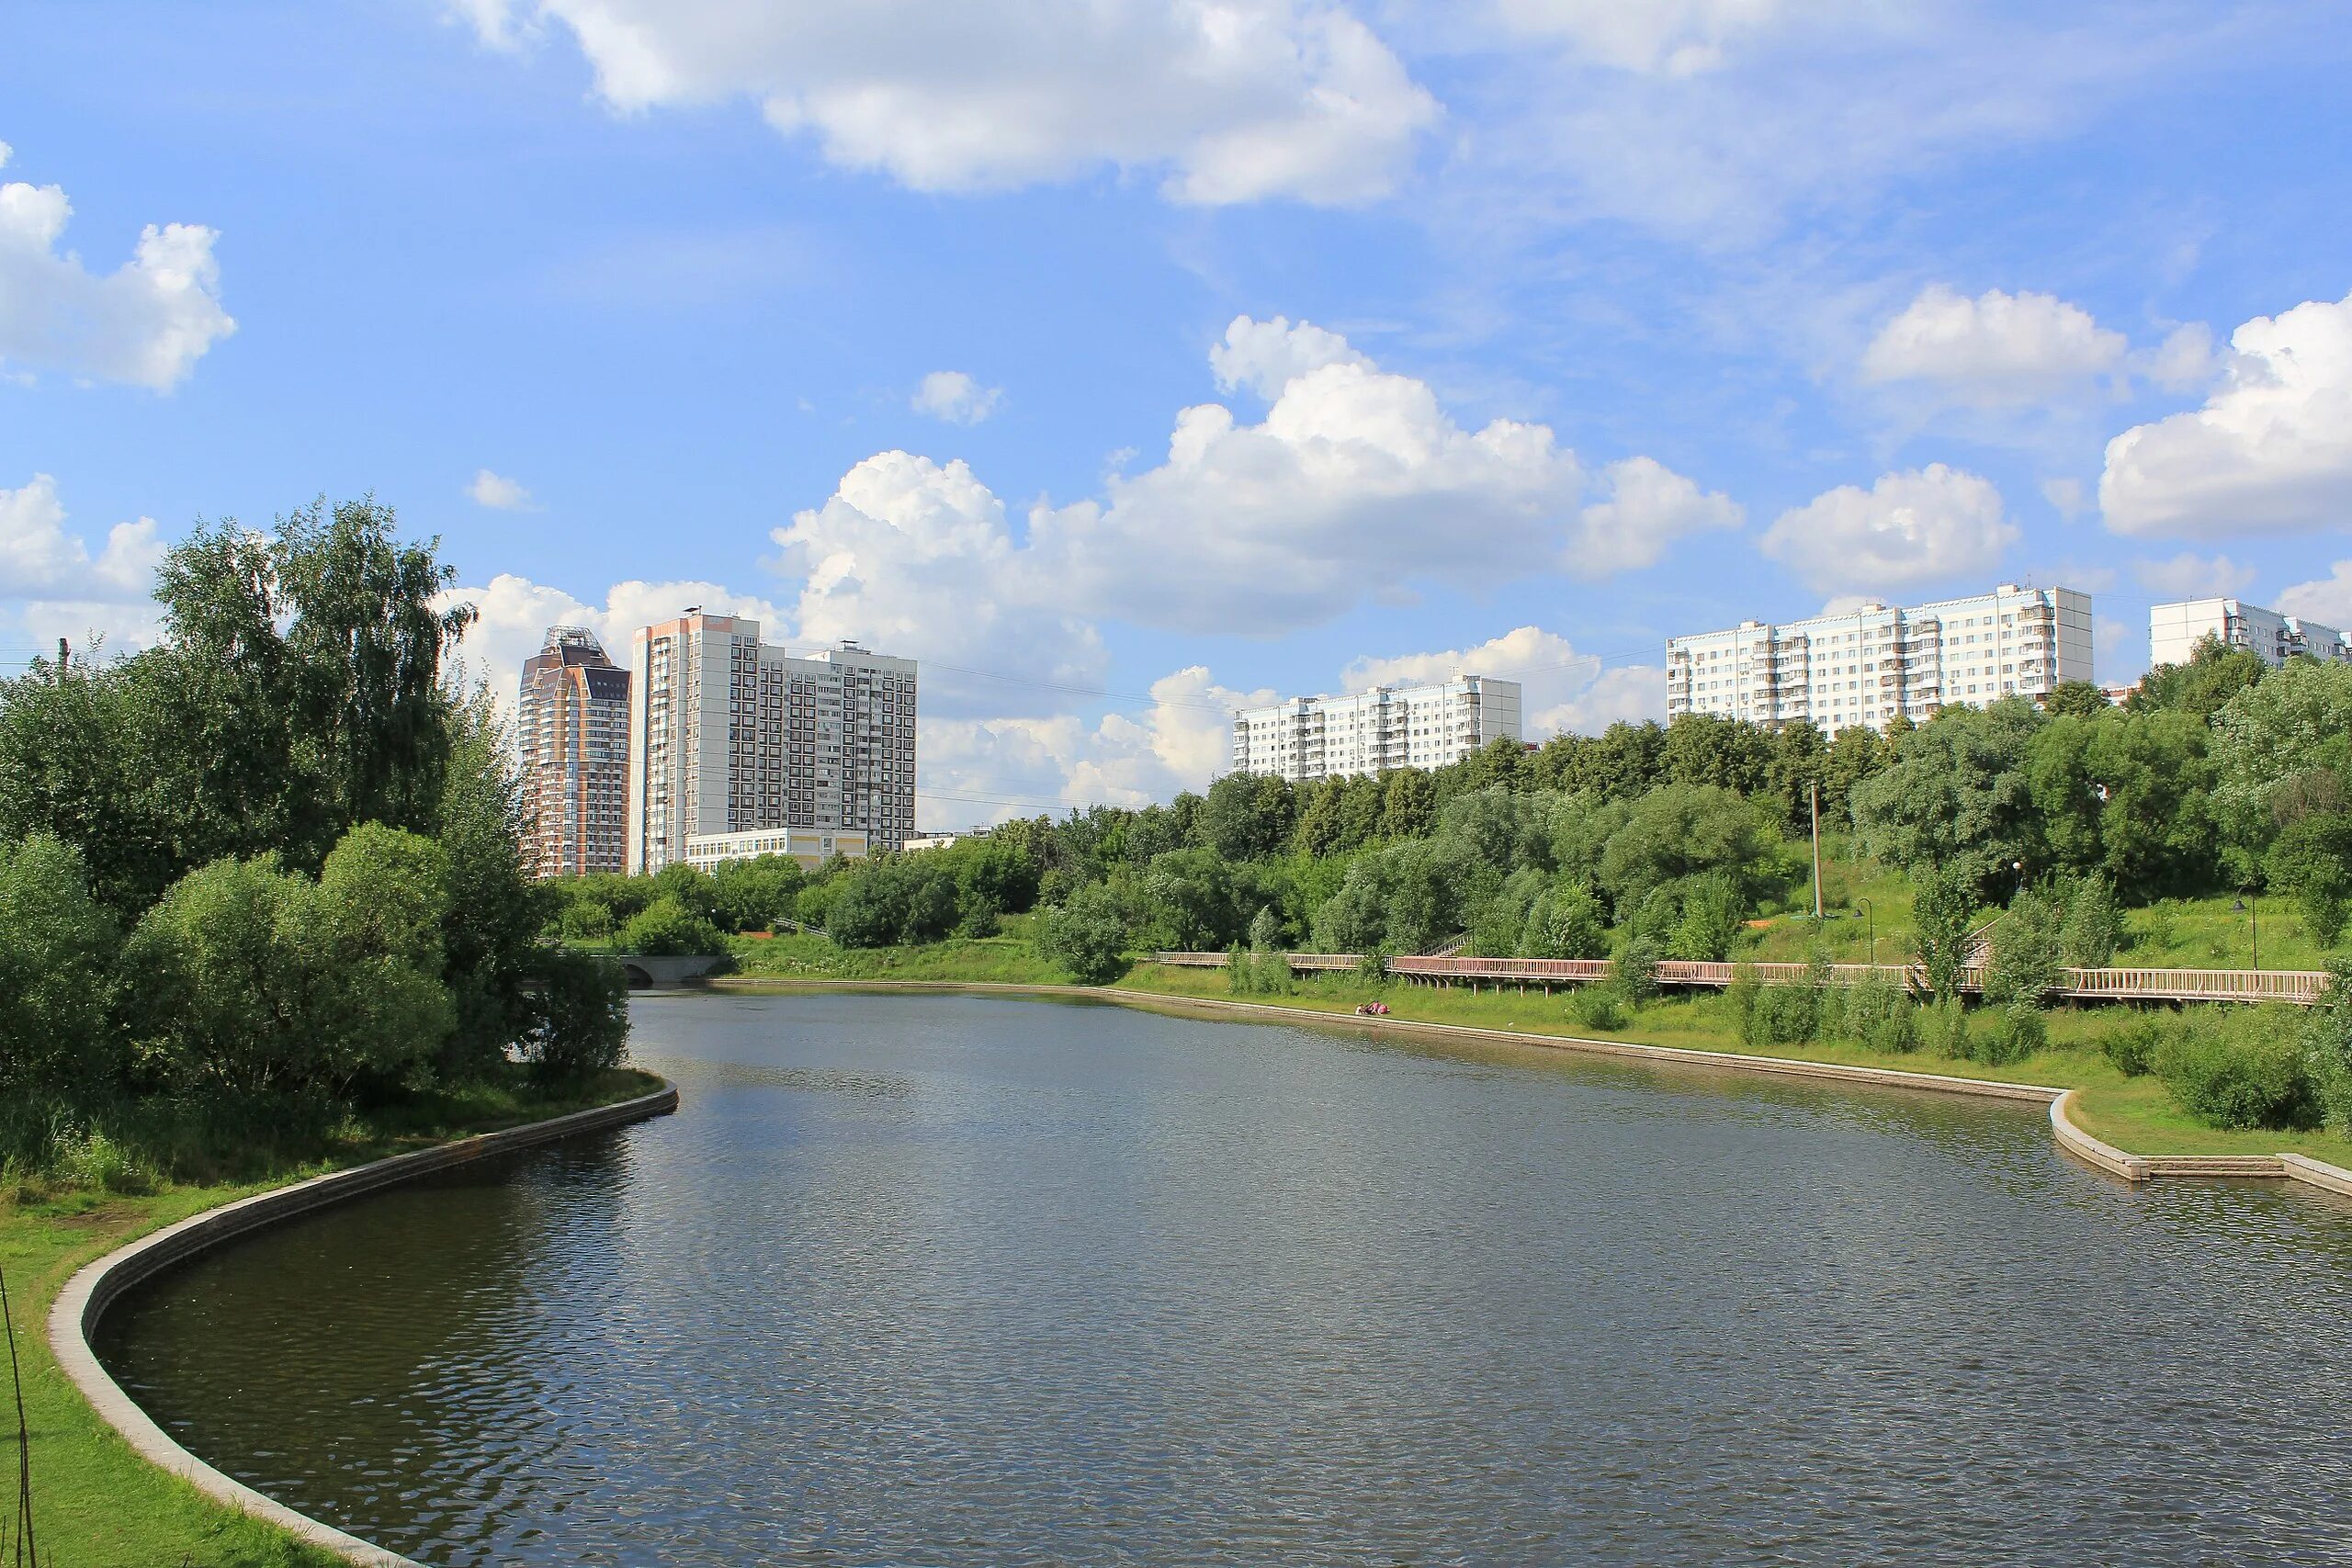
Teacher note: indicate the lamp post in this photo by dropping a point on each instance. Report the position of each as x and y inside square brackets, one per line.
[1869, 912]
[2252, 907]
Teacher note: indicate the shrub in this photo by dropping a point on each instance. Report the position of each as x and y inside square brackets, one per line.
[1877, 1014]
[2235, 1068]
[2327, 1046]
[2132, 1048]
[2025, 944]
[980, 918]
[1635, 969]
[1566, 923]
[585, 920]
[1598, 1007]
[57, 956]
[665, 929]
[579, 1017]
[2094, 926]
[1947, 1028]
[1086, 936]
[1712, 910]
[2020, 1029]
[1783, 1015]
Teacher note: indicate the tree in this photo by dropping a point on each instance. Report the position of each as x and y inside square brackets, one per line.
[1246, 816]
[1086, 936]
[2296, 720]
[1706, 748]
[2079, 699]
[1958, 795]
[1407, 804]
[1712, 909]
[2213, 676]
[496, 911]
[752, 894]
[2094, 926]
[1566, 922]
[1190, 894]
[2027, 949]
[2312, 860]
[666, 929]
[1943, 909]
[2327, 1046]
[1499, 828]
[1678, 830]
[57, 956]
[580, 1021]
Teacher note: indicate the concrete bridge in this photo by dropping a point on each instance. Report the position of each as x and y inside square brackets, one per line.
[646, 970]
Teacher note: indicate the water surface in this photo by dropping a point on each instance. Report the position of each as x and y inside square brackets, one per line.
[967, 1280]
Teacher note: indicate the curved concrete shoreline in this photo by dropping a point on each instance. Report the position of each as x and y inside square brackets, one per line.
[87, 1295]
[2069, 1134]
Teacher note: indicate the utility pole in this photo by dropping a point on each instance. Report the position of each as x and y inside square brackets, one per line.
[1812, 794]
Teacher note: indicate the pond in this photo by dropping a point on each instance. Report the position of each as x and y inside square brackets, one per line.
[970, 1280]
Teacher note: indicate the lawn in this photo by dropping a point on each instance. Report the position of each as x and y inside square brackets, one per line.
[97, 1505]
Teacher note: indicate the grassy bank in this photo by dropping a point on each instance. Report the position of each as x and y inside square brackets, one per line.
[1008, 958]
[99, 1505]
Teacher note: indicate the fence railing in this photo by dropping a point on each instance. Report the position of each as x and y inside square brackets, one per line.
[2129, 984]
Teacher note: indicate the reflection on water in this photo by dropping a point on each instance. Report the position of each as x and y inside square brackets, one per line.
[957, 1279]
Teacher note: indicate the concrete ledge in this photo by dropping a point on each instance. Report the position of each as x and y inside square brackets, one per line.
[2302, 1167]
[2091, 1150]
[86, 1296]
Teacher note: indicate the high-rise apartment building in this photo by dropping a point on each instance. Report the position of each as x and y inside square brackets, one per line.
[1864, 666]
[2175, 630]
[1307, 739]
[731, 737]
[571, 731]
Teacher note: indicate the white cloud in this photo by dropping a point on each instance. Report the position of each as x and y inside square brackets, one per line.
[1918, 526]
[2269, 452]
[954, 396]
[498, 493]
[55, 588]
[514, 614]
[2184, 362]
[2065, 497]
[1357, 483]
[1997, 348]
[1236, 101]
[2327, 601]
[1650, 509]
[2187, 576]
[1676, 38]
[1560, 689]
[146, 323]
[916, 557]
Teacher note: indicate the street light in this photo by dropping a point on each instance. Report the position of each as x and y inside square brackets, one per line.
[2253, 911]
[1869, 912]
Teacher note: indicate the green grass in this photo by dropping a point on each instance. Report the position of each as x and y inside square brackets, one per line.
[2207, 933]
[97, 1503]
[1007, 959]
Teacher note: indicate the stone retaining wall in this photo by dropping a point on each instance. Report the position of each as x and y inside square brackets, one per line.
[87, 1295]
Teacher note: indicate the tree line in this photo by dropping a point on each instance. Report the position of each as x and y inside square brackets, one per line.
[269, 869]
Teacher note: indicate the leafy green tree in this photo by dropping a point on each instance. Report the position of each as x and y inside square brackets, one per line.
[381, 906]
[1499, 828]
[2312, 860]
[496, 911]
[694, 889]
[2077, 699]
[1191, 898]
[1681, 830]
[752, 894]
[2157, 832]
[2094, 925]
[2027, 949]
[1406, 899]
[1087, 936]
[1703, 749]
[2327, 1046]
[1408, 804]
[1943, 911]
[1568, 921]
[2296, 720]
[2213, 676]
[580, 1021]
[1499, 919]
[1320, 825]
[1712, 909]
[899, 900]
[667, 928]
[1246, 816]
[1958, 796]
[999, 873]
[57, 956]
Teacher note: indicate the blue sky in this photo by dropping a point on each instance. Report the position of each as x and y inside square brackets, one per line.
[1182, 351]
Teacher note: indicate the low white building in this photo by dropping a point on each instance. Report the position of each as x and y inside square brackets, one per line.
[1305, 738]
[1866, 665]
[812, 847]
[2175, 630]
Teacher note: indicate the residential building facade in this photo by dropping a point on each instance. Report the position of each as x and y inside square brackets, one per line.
[809, 846]
[1305, 738]
[1867, 665]
[572, 738]
[2175, 630]
[730, 737]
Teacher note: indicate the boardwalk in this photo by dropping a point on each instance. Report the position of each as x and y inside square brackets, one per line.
[2300, 987]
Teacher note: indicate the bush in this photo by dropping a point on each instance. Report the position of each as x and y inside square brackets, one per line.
[1783, 1015]
[1711, 912]
[1598, 1007]
[585, 920]
[57, 957]
[1086, 936]
[1635, 969]
[2327, 1046]
[2094, 926]
[2132, 1048]
[1947, 1028]
[580, 1023]
[665, 929]
[981, 919]
[1877, 1015]
[2019, 1029]
[2235, 1068]
[1566, 923]
[2026, 950]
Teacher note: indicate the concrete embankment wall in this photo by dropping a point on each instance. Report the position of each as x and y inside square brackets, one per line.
[87, 1295]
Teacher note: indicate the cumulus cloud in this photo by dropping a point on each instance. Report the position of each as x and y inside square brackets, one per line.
[1266, 356]
[1234, 102]
[954, 396]
[1995, 348]
[1649, 509]
[54, 587]
[498, 493]
[146, 323]
[1560, 689]
[2188, 576]
[2327, 600]
[514, 612]
[1918, 526]
[2269, 452]
[916, 557]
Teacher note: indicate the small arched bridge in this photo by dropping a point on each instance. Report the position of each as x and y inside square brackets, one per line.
[645, 971]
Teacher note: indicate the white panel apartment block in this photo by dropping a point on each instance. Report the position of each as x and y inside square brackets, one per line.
[1305, 738]
[729, 735]
[1867, 665]
[2175, 630]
